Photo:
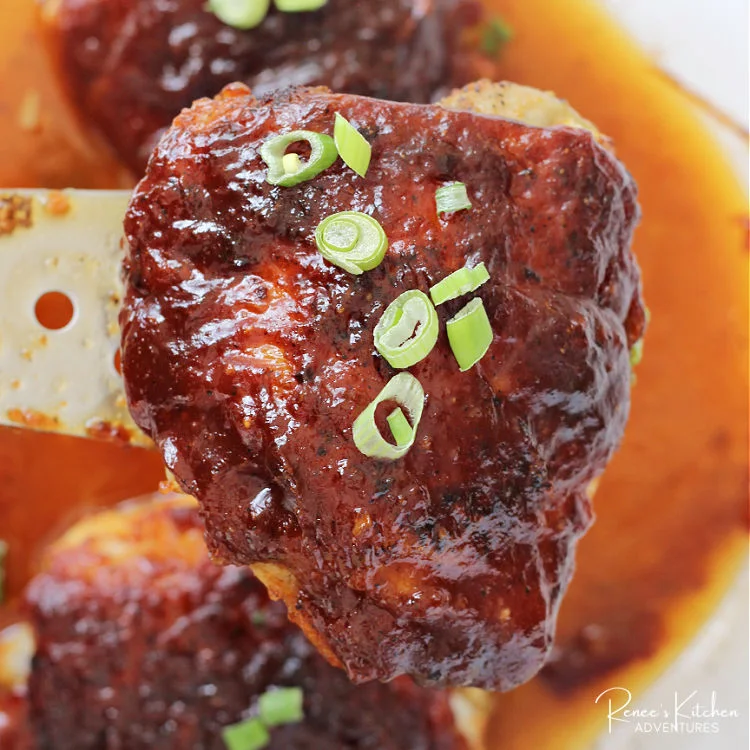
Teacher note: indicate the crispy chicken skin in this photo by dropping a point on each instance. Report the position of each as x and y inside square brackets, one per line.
[132, 65]
[143, 643]
[516, 102]
[247, 357]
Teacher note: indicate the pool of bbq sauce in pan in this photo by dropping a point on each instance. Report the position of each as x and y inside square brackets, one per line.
[671, 510]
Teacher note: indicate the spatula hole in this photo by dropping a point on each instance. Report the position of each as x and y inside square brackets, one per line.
[54, 310]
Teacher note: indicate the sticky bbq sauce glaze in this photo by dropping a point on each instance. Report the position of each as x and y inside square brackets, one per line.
[672, 515]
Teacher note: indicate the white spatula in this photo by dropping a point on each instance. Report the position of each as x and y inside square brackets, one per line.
[62, 379]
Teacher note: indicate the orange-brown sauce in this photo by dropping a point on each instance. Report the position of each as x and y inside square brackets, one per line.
[672, 514]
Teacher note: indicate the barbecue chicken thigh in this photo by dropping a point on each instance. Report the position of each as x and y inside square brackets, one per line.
[131, 65]
[142, 642]
[248, 357]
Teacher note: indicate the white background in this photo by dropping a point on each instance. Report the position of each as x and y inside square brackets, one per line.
[704, 44]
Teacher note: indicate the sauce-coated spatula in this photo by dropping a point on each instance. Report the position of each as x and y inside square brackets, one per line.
[58, 367]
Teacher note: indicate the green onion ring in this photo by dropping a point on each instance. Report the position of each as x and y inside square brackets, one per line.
[298, 6]
[281, 706]
[408, 330]
[240, 14]
[636, 353]
[453, 197]
[469, 334]
[351, 240]
[250, 734]
[351, 145]
[460, 282]
[273, 152]
[406, 391]
[400, 427]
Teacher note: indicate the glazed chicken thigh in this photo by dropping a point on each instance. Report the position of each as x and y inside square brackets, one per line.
[132, 65]
[248, 357]
[141, 643]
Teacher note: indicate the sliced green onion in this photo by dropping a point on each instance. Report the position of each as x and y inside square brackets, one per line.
[408, 393]
[636, 353]
[352, 145]
[460, 282]
[292, 163]
[246, 735]
[282, 706]
[469, 334]
[451, 198]
[241, 14]
[400, 427]
[408, 329]
[286, 170]
[351, 240]
[495, 35]
[298, 6]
